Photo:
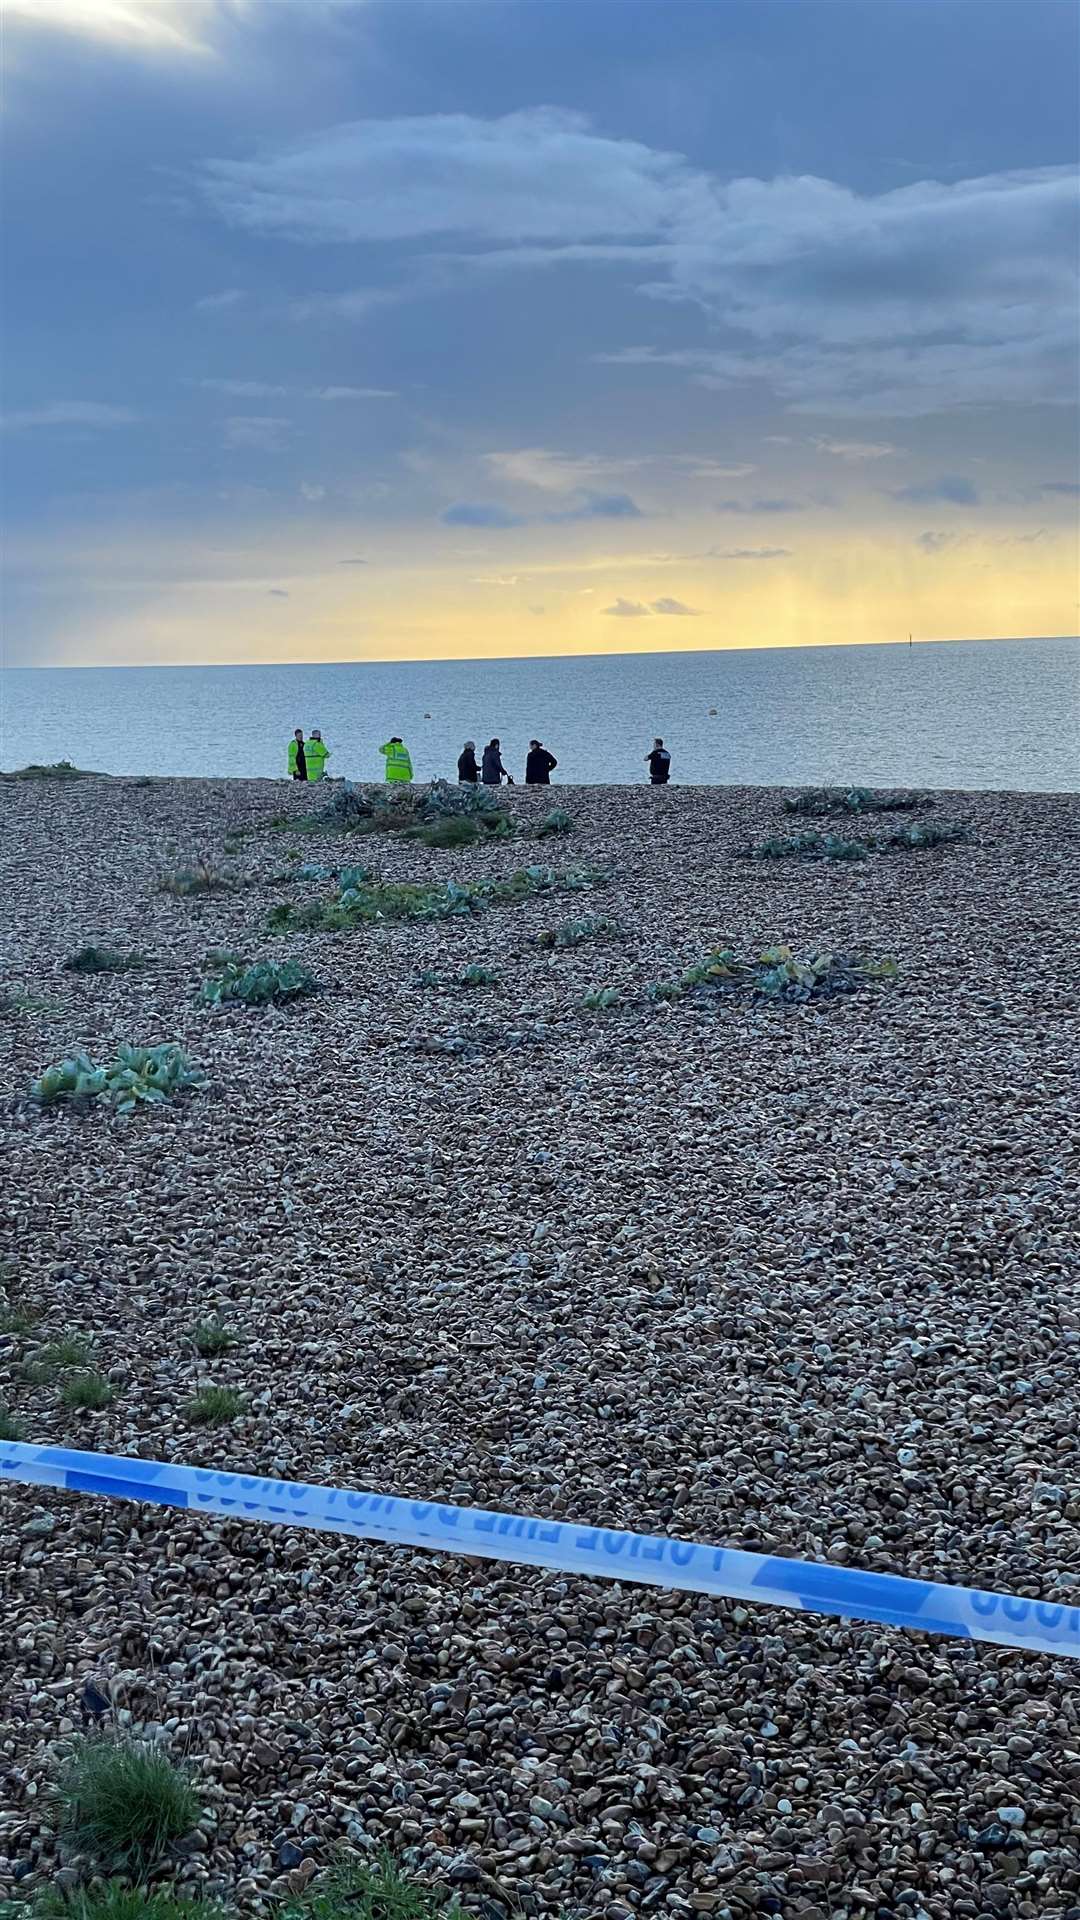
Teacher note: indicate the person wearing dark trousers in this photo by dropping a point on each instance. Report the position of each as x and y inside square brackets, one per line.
[659, 764]
[539, 766]
[493, 773]
[297, 756]
[468, 772]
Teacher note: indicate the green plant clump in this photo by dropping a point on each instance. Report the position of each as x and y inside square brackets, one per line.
[213, 1407]
[380, 901]
[601, 999]
[58, 770]
[115, 1900]
[87, 1392]
[357, 1890]
[474, 976]
[809, 846]
[820, 801]
[573, 933]
[557, 820]
[139, 1076]
[778, 974]
[104, 960]
[9, 1426]
[260, 985]
[929, 834]
[211, 1337]
[14, 1000]
[123, 1802]
[199, 878]
[56, 1355]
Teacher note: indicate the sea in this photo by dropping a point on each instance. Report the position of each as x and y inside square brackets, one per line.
[961, 714]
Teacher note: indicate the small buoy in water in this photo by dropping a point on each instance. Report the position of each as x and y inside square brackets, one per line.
[712, 713]
[427, 716]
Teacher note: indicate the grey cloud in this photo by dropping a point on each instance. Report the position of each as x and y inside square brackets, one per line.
[479, 514]
[667, 605]
[70, 413]
[627, 609]
[639, 609]
[260, 433]
[355, 561]
[600, 506]
[758, 506]
[277, 593]
[748, 553]
[1070, 487]
[934, 541]
[953, 489]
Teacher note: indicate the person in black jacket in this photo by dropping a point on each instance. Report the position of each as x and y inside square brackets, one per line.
[539, 766]
[659, 764]
[468, 772]
[493, 772]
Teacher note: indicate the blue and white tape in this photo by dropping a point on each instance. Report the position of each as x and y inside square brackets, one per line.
[1003, 1619]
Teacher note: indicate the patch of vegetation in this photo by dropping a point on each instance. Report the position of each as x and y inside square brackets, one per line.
[68, 1351]
[13, 1001]
[474, 976]
[600, 999]
[213, 1407]
[17, 1320]
[211, 1337]
[379, 901]
[809, 846]
[123, 1802]
[557, 820]
[187, 882]
[260, 985]
[9, 1426]
[456, 830]
[92, 959]
[116, 1900]
[139, 1076]
[929, 834]
[820, 801]
[357, 1890]
[777, 974]
[573, 933]
[89, 1392]
[58, 770]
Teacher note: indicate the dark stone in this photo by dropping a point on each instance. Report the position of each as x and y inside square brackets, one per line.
[289, 1855]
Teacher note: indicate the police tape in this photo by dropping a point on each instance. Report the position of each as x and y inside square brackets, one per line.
[1003, 1619]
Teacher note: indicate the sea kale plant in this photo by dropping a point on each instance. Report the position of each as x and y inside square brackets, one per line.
[472, 976]
[557, 820]
[139, 1076]
[260, 985]
[379, 901]
[777, 974]
[601, 999]
[929, 833]
[573, 933]
[91, 959]
[809, 846]
[819, 802]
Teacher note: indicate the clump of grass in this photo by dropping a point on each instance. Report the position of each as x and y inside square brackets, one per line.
[201, 877]
[473, 976]
[9, 1426]
[15, 1000]
[821, 801]
[557, 820]
[93, 959]
[809, 846]
[601, 999]
[139, 1076]
[123, 1802]
[211, 1337]
[57, 770]
[213, 1407]
[573, 933]
[87, 1392]
[69, 1351]
[17, 1320]
[116, 1900]
[357, 1890]
[929, 834]
[379, 901]
[457, 830]
[260, 985]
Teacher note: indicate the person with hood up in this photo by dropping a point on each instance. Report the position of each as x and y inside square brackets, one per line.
[297, 756]
[397, 757]
[539, 766]
[317, 755]
[494, 773]
[468, 772]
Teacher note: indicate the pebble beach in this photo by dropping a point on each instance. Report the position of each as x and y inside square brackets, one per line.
[798, 1278]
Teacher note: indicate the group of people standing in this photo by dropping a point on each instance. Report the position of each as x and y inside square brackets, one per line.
[308, 758]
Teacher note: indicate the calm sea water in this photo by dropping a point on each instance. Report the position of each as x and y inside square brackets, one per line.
[989, 713]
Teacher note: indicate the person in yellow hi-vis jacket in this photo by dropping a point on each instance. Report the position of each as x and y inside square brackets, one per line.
[398, 762]
[316, 753]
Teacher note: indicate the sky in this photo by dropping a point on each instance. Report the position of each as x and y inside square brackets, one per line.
[405, 329]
